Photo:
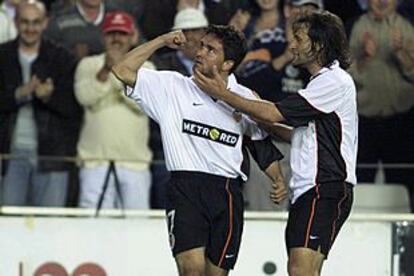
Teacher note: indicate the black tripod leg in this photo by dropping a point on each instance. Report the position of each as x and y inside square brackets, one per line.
[118, 187]
[104, 188]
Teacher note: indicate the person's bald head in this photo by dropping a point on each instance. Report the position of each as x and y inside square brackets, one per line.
[31, 21]
[31, 4]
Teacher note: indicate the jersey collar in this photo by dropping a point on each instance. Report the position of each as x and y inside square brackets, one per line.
[334, 65]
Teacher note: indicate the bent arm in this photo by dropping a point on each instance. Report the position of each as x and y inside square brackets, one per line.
[89, 89]
[405, 58]
[127, 68]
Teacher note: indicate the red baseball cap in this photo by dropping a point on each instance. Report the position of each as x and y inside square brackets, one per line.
[118, 21]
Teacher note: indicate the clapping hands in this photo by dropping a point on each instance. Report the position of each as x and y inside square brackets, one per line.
[41, 90]
[44, 90]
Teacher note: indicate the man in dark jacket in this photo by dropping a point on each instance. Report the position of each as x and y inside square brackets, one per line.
[39, 115]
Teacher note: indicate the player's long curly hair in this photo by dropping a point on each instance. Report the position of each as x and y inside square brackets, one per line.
[327, 34]
[234, 43]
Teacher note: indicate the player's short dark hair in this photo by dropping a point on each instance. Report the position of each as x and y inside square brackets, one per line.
[234, 43]
[327, 32]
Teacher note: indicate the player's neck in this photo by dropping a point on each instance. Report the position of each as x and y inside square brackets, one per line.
[313, 68]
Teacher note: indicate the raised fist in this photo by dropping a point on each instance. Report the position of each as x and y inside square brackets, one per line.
[174, 40]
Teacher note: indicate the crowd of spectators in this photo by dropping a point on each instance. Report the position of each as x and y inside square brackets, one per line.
[68, 136]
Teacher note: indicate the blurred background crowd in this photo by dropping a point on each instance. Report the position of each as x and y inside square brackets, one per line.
[68, 136]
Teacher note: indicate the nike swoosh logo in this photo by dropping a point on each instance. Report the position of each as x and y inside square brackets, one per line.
[228, 256]
[197, 104]
[313, 237]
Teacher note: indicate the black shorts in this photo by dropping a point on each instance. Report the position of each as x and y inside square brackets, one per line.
[317, 216]
[205, 210]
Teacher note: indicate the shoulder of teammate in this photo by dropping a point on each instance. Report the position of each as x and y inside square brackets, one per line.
[329, 90]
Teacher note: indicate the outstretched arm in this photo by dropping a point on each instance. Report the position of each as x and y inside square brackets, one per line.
[264, 111]
[126, 69]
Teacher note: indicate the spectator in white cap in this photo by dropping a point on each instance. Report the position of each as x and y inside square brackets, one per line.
[192, 22]
[297, 7]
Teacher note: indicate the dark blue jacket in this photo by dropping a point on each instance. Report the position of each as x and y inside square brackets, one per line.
[57, 120]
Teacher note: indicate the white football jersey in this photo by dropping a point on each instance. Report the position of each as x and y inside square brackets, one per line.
[325, 136]
[198, 132]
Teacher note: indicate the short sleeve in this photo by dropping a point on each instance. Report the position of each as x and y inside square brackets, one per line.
[297, 111]
[322, 96]
[324, 93]
[264, 152]
[152, 91]
[253, 130]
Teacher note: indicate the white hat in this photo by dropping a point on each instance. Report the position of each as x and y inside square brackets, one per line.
[317, 3]
[189, 18]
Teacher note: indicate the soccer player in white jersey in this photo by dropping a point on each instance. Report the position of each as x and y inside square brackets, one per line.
[202, 140]
[324, 138]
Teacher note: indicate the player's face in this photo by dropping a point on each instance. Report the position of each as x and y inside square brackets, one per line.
[30, 22]
[210, 54]
[300, 47]
[193, 38]
[118, 41]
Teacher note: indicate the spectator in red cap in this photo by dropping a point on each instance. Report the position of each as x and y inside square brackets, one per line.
[114, 128]
[118, 22]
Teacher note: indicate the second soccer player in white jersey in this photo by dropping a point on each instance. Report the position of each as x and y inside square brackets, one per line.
[324, 138]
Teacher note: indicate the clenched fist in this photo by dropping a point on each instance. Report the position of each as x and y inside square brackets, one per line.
[174, 40]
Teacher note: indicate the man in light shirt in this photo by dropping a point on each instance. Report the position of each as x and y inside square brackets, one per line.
[114, 128]
[382, 42]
